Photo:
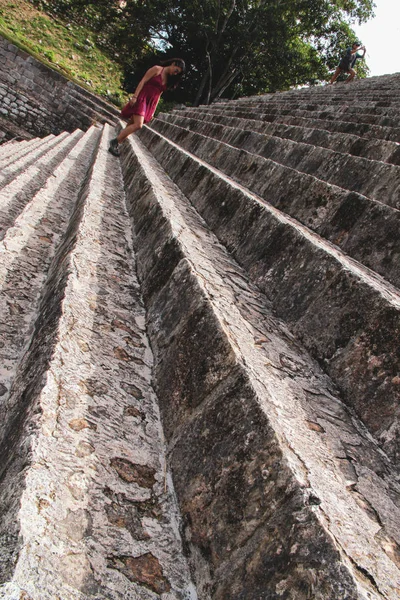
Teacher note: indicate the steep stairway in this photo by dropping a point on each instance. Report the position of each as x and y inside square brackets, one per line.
[350, 202]
[316, 230]
[87, 503]
[200, 361]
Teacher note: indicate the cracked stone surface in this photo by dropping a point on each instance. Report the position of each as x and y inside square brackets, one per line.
[239, 396]
[95, 508]
[199, 387]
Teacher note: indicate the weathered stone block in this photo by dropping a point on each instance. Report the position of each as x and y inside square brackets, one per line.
[242, 509]
[193, 355]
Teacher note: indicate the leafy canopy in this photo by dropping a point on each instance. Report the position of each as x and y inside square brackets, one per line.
[232, 47]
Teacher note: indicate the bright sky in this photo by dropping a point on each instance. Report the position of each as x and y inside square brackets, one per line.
[381, 37]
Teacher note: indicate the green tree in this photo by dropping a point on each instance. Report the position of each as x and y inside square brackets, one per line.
[249, 46]
[232, 47]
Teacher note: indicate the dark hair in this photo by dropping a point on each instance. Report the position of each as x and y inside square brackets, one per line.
[174, 80]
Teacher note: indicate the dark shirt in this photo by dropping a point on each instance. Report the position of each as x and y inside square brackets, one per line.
[349, 60]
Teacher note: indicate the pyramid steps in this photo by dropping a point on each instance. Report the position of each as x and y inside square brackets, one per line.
[335, 328]
[333, 105]
[8, 148]
[344, 125]
[84, 477]
[15, 195]
[375, 149]
[41, 149]
[355, 173]
[199, 384]
[330, 106]
[87, 112]
[20, 151]
[310, 178]
[29, 246]
[269, 113]
[379, 87]
[105, 111]
[238, 394]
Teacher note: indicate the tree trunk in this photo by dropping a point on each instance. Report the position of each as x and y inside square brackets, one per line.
[219, 90]
[201, 87]
[209, 79]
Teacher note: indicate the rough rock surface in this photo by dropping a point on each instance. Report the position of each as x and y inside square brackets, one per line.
[87, 501]
[199, 382]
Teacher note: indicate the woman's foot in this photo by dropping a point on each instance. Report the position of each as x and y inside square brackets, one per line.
[114, 147]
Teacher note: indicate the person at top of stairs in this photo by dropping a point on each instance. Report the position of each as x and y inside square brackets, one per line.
[348, 61]
[141, 107]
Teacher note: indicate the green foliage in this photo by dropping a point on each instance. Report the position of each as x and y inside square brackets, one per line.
[68, 47]
[232, 47]
[244, 46]
[49, 54]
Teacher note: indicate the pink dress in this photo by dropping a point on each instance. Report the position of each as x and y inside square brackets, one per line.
[148, 98]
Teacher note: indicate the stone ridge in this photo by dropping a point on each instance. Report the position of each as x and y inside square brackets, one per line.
[239, 395]
[314, 173]
[350, 201]
[347, 300]
[87, 502]
[199, 384]
[267, 174]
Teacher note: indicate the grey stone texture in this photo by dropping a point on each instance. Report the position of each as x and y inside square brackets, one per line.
[199, 354]
[40, 101]
[87, 502]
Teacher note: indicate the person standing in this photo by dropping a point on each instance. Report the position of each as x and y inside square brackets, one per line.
[143, 103]
[348, 61]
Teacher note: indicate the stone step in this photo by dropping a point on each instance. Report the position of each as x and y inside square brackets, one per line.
[99, 106]
[15, 195]
[80, 118]
[364, 88]
[100, 102]
[346, 125]
[8, 147]
[377, 149]
[324, 113]
[379, 99]
[346, 315]
[39, 147]
[366, 229]
[391, 109]
[13, 152]
[360, 129]
[340, 94]
[87, 501]
[358, 90]
[275, 479]
[369, 177]
[28, 247]
[85, 111]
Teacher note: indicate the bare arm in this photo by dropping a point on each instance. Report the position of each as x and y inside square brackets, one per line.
[147, 76]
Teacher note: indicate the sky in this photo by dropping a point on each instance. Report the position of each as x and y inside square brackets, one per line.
[381, 37]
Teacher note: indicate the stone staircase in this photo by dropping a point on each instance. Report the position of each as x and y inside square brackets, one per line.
[87, 503]
[200, 342]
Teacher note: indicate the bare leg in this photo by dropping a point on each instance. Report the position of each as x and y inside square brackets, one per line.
[138, 121]
[351, 76]
[335, 75]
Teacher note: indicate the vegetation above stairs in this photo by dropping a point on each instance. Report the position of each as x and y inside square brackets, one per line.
[67, 48]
